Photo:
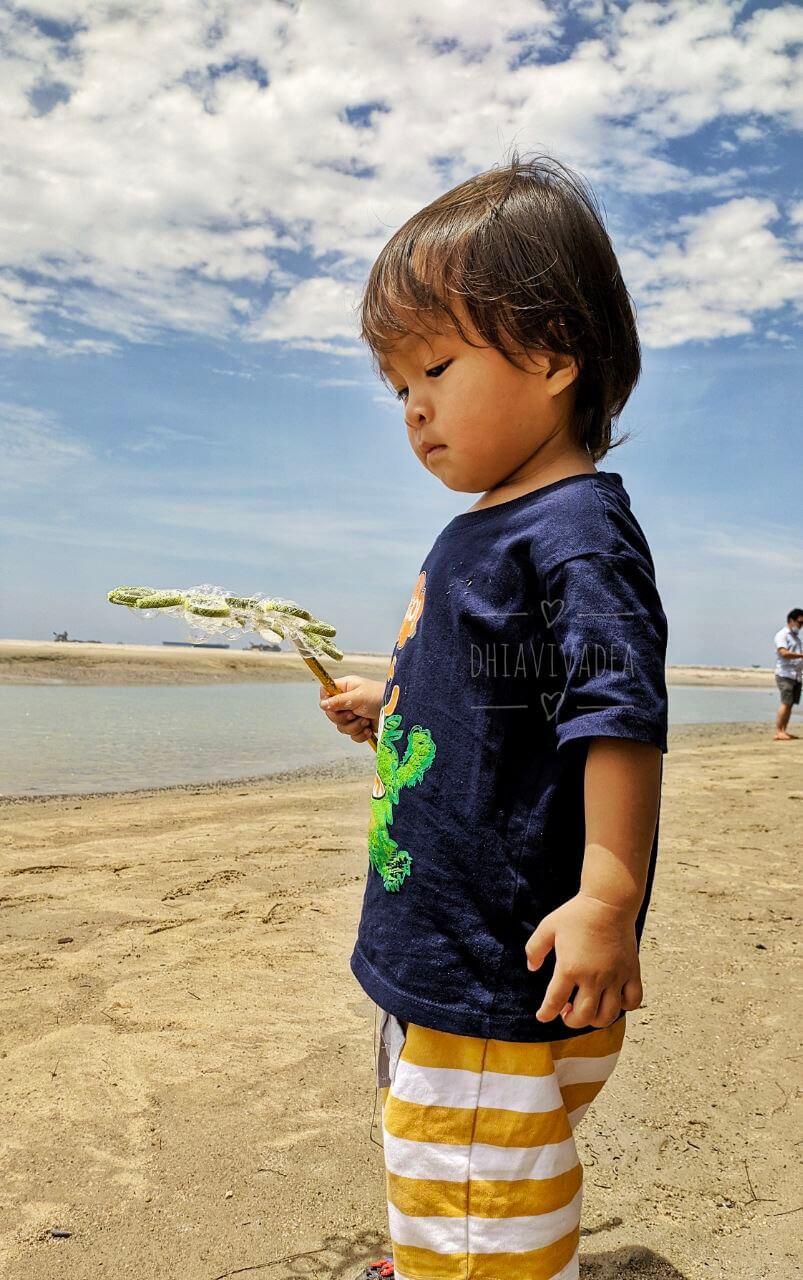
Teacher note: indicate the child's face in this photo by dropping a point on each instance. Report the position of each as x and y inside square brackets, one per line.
[486, 417]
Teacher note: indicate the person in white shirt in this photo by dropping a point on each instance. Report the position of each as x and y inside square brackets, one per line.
[788, 671]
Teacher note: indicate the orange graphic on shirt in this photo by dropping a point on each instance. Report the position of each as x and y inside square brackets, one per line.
[410, 620]
[407, 630]
[414, 610]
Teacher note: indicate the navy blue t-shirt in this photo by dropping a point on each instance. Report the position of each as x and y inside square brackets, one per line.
[534, 626]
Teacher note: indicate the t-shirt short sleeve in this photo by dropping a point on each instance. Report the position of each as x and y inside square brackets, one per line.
[604, 614]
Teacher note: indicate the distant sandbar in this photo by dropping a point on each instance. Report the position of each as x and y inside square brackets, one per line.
[74, 662]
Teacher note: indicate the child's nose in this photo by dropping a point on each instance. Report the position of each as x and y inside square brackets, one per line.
[416, 415]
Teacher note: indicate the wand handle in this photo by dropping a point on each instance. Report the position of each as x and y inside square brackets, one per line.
[324, 678]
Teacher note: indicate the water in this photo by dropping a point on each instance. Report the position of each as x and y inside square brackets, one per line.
[73, 738]
[690, 704]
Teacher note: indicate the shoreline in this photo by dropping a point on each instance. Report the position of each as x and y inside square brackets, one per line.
[343, 770]
[43, 662]
[338, 771]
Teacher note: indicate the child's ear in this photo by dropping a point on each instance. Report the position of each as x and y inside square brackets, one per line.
[562, 371]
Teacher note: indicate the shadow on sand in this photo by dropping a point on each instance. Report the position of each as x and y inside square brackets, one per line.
[629, 1263]
[342, 1259]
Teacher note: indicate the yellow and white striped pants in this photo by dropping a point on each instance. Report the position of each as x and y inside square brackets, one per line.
[483, 1177]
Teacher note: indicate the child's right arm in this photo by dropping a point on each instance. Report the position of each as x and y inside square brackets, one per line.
[355, 709]
[594, 933]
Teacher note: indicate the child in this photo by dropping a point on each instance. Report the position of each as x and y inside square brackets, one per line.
[521, 728]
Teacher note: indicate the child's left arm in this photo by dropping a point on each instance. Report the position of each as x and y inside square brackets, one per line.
[594, 934]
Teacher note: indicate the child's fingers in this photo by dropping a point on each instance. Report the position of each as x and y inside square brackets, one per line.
[610, 1006]
[339, 713]
[632, 994]
[558, 993]
[539, 946]
[340, 717]
[343, 709]
[356, 728]
[324, 695]
[337, 701]
[584, 1006]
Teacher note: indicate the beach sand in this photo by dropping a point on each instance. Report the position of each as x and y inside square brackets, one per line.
[43, 662]
[53, 662]
[187, 1063]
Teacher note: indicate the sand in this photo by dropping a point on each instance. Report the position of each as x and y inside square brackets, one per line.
[40, 662]
[187, 1062]
[53, 662]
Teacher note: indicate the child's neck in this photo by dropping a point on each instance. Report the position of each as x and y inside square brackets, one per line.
[535, 474]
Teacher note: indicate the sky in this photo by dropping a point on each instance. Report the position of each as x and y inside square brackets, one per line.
[193, 193]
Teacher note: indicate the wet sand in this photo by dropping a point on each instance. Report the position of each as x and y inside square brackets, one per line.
[43, 662]
[186, 1062]
[40, 662]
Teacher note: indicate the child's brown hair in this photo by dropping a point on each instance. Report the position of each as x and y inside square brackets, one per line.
[524, 247]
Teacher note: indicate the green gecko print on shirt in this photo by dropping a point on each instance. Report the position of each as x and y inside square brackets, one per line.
[393, 863]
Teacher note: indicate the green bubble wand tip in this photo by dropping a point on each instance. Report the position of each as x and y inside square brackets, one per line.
[214, 611]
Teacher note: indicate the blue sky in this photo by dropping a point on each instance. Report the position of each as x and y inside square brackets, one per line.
[195, 194]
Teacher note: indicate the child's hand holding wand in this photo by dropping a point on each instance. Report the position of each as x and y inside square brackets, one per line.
[355, 708]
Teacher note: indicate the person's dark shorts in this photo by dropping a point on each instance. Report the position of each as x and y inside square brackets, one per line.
[789, 690]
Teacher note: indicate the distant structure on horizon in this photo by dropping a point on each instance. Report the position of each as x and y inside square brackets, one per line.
[62, 635]
[270, 646]
[200, 644]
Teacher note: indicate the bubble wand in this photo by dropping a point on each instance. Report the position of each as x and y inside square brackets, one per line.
[212, 611]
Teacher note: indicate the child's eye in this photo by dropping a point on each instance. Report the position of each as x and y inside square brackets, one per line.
[401, 393]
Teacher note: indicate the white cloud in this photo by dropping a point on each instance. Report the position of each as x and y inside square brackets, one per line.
[246, 374]
[164, 164]
[342, 382]
[36, 450]
[755, 549]
[331, 302]
[785, 339]
[713, 273]
[19, 304]
[296, 529]
[749, 133]
[244, 532]
[157, 439]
